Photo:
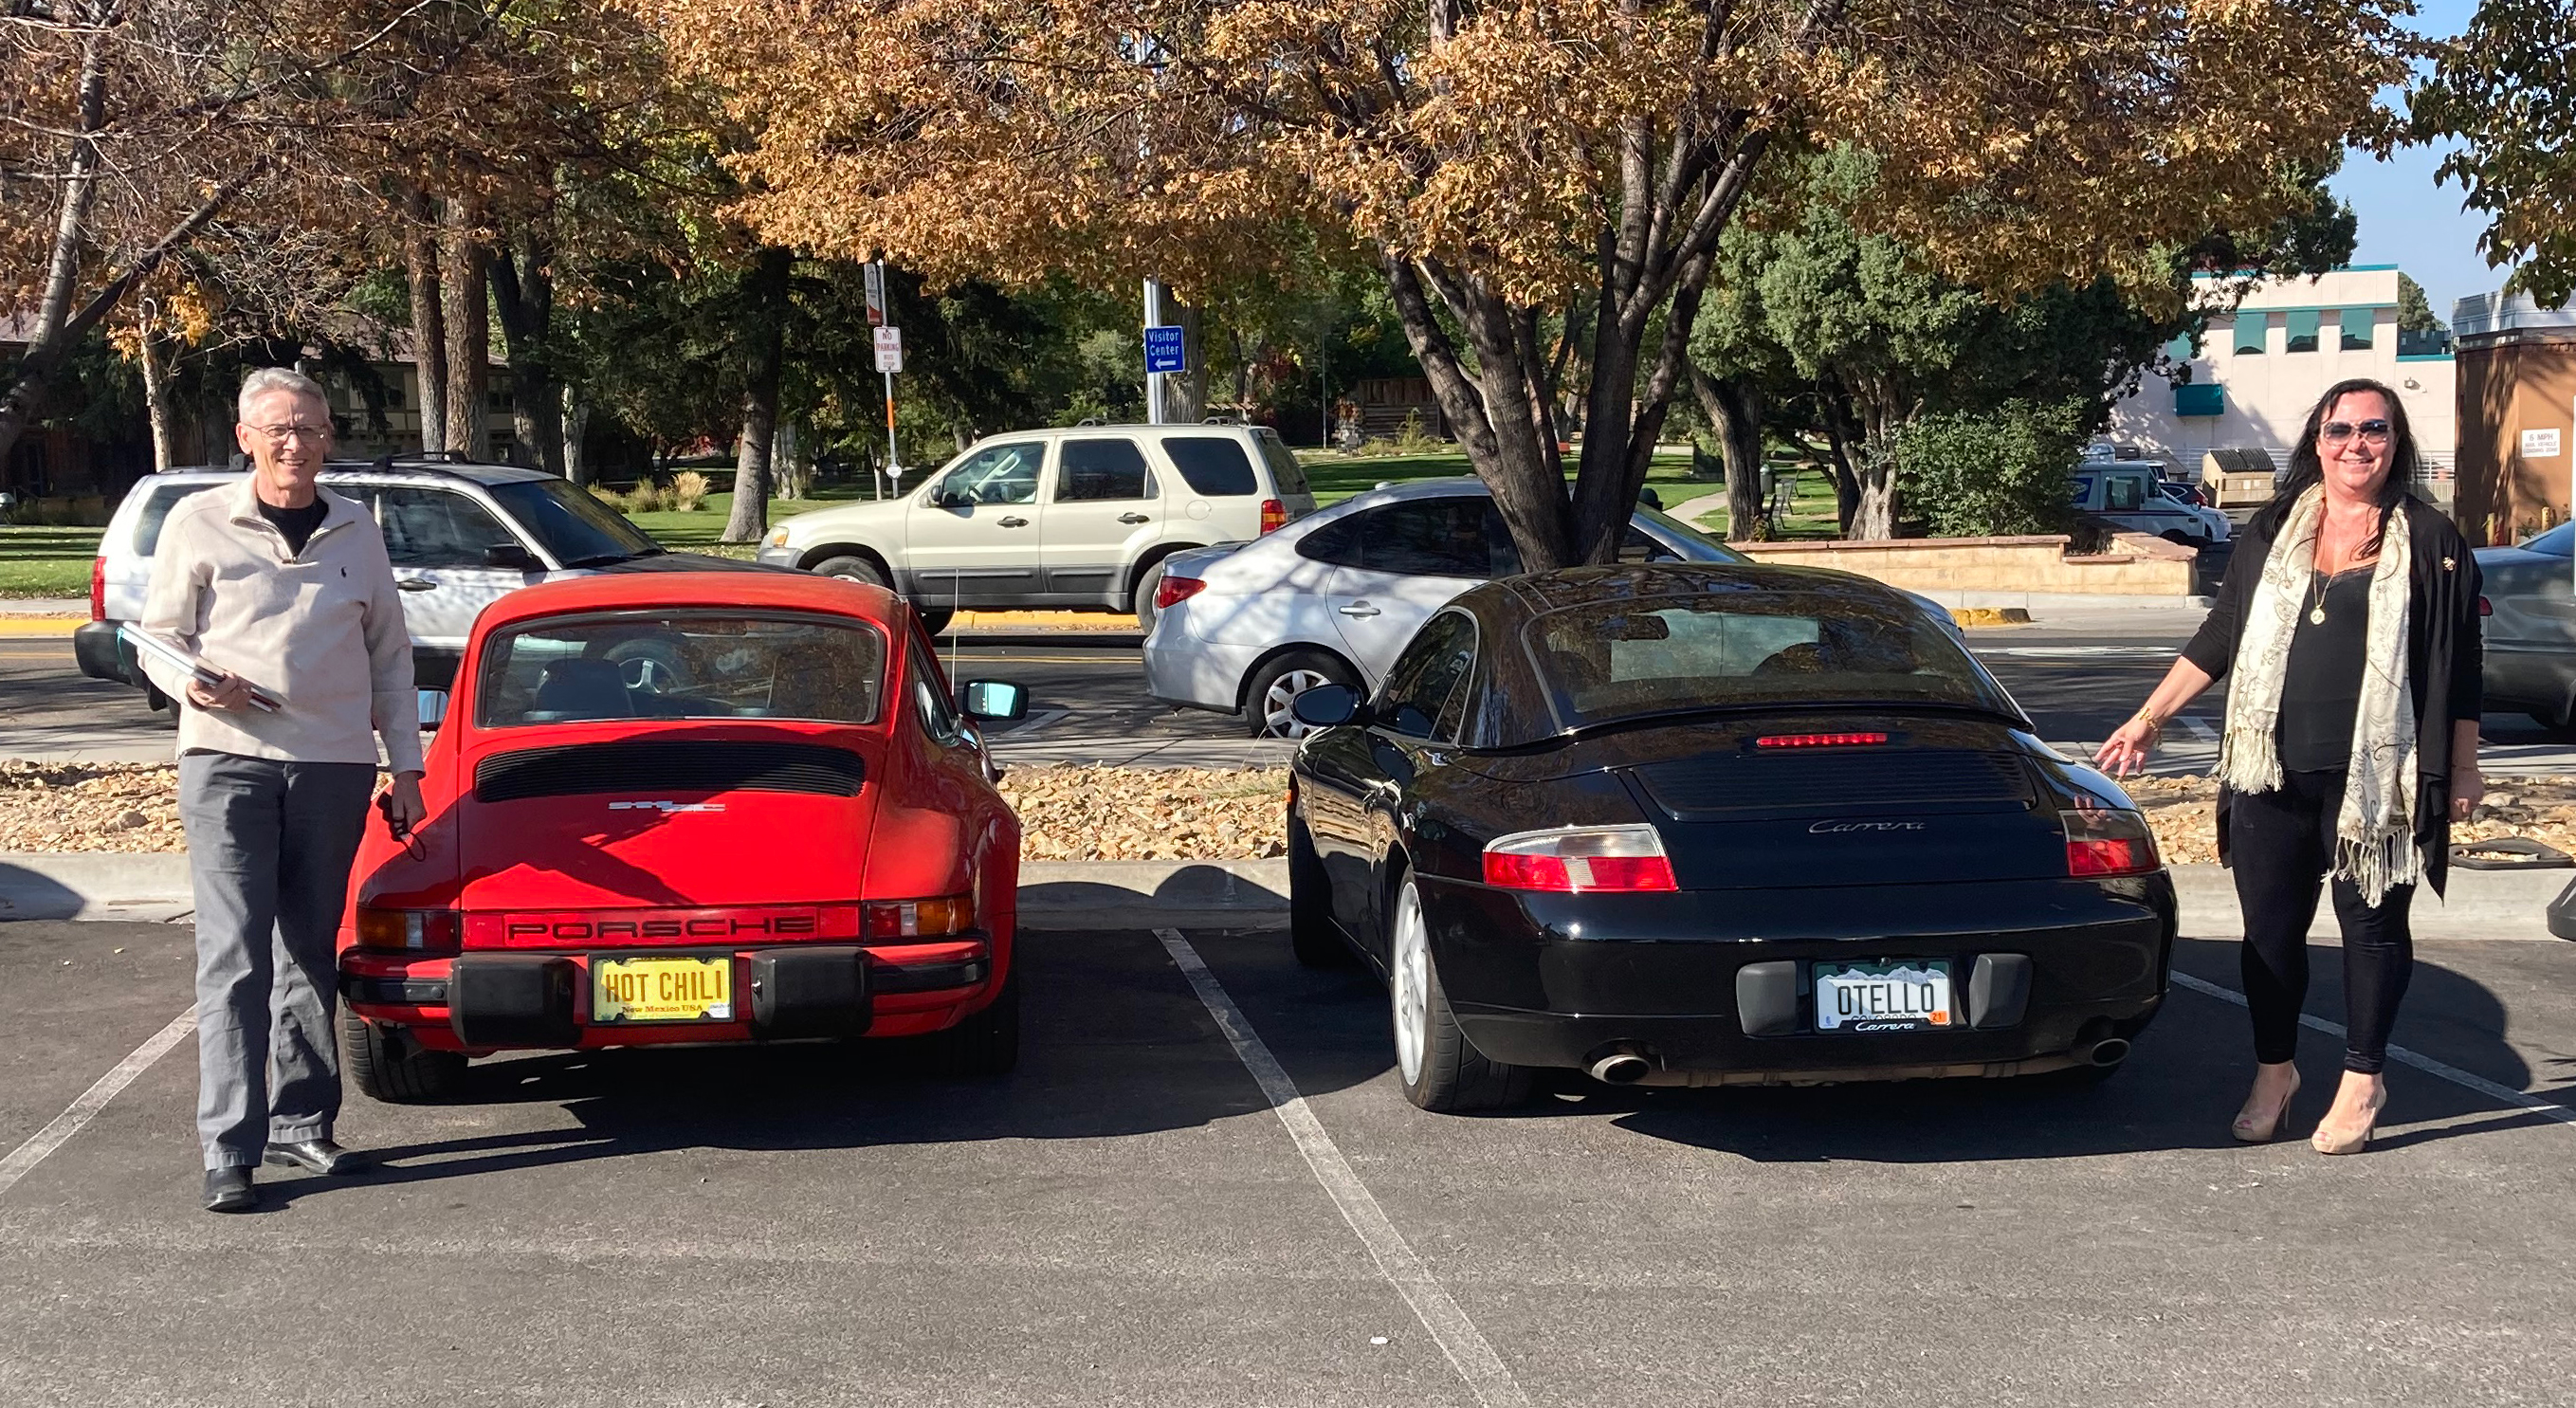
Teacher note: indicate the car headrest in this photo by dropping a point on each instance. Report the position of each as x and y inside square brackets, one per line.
[583, 689]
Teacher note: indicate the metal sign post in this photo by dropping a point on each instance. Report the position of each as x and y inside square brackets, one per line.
[1166, 350]
[1153, 378]
[889, 343]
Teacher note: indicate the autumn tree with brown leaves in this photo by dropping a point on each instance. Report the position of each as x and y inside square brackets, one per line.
[131, 128]
[1493, 160]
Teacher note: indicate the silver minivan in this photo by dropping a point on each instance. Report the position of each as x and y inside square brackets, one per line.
[459, 535]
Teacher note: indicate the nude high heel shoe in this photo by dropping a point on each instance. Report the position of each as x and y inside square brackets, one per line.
[2326, 1141]
[2249, 1130]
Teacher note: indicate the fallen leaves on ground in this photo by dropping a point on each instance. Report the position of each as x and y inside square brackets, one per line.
[1098, 813]
[1106, 813]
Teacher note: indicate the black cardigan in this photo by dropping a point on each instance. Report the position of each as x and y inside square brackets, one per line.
[2446, 655]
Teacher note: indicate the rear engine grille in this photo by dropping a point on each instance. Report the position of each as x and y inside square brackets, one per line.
[1733, 782]
[667, 767]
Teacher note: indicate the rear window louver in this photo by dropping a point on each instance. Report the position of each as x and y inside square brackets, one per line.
[1723, 782]
[704, 766]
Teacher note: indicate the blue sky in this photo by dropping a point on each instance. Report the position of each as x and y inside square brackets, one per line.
[2406, 219]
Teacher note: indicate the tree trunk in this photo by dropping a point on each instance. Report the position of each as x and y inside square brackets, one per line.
[576, 424]
[157, 405]
[62, 262]
[1844, 472]
[1875, 517]
[428, 323]
[1734, 407]
[523, 293]
[792, 464]
[465, 301]
[763, 351]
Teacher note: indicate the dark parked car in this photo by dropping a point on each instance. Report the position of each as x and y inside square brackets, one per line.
[1697, 823]
[2531, 628]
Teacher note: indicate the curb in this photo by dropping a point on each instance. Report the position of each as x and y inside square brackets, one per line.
[1131, 894]
[41, 627]
[1990, 615]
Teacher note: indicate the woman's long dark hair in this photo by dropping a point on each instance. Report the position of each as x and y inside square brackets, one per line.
[2307, 470]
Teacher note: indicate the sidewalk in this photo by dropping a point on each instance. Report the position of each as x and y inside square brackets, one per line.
[2484, 904]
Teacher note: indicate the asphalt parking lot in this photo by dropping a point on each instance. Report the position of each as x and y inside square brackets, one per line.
[1128, 1219]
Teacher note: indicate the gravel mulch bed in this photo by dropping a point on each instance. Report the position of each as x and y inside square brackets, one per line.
[1097, 813]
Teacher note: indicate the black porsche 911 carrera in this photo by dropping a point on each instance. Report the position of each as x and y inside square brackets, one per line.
[1702, 824]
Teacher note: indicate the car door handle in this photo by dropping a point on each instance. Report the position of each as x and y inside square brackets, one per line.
[1135, 518]
[1014, 521]
[416, 584]
[1361, 608]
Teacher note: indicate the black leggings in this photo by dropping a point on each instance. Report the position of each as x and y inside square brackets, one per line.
[2280, 843]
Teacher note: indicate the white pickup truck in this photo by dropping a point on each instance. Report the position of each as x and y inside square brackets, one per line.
[2131, 494]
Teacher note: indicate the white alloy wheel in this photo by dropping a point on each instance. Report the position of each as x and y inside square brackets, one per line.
[1410, 989]
[1279, 700]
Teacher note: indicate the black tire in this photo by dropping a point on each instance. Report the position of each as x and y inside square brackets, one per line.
[386, 1064]
[851, 567]
[986, 1044]
[2180, 539]
[1451, 1076]
[1311, 934]
[933, 620]
[1265, 717]
[1147, 583]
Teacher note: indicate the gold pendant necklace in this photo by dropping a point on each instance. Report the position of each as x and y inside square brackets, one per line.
[2317, 594]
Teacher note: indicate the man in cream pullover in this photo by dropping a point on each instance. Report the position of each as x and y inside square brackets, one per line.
[283, 586]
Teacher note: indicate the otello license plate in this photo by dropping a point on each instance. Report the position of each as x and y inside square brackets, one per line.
[1882, 997]
[661, 990]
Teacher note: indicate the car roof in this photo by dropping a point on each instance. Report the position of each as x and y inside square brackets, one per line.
[397, 466]
[690, 587]
[1167, 428]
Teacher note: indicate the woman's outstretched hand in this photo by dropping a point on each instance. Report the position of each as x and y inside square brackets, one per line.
[2126, 751]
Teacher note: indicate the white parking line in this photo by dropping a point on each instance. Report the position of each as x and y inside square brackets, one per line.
[2420, 1061]
[1458, 1337]
[2198, 727]
[81, 1111]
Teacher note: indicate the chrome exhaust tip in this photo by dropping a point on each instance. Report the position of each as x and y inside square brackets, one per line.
[2110, 1051]
[1620, 1068]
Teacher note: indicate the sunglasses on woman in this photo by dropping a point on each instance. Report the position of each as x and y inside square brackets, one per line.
[2335, 432]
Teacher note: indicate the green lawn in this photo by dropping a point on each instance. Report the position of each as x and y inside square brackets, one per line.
[46, 561]
[697, 532]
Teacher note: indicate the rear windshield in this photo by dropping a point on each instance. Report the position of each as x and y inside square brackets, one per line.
[1217, 466]
[577, 529]
[682, 665]
[1611, 660]
[1289, 475]
[156, 511]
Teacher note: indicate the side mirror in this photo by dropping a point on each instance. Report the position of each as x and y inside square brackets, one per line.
[1327, 706]
[511, 557]
[433, 708]
[992, 699]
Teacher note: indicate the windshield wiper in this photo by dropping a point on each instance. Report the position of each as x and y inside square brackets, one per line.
[608, 559]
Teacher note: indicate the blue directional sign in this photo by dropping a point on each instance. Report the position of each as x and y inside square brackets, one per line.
[1164, 352]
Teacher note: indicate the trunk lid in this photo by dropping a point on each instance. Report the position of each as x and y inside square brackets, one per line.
[688, 822]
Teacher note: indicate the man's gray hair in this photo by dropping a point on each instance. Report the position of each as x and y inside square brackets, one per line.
[267, 379]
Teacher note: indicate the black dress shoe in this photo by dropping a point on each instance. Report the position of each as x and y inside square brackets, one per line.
[230, 1190]
[314, 1156]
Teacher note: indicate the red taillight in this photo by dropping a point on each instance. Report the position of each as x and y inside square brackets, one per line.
[905, 919]
[1274, 515]
[1580, 860]
[1818, 740]
[2485, 607]
[1172, 591]
[408, 930]
[2101, 842]
[98, 589]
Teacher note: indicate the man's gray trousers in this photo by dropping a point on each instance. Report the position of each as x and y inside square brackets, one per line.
[269, 848]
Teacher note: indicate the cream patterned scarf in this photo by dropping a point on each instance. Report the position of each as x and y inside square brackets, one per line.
[2375, 830]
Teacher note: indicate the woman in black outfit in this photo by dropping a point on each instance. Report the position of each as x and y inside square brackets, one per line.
[2348, 628]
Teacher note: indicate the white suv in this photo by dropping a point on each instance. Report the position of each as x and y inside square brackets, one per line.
[459, 535]
[1082, 516]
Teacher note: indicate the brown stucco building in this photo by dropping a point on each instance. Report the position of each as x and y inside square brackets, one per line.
[2517, 415]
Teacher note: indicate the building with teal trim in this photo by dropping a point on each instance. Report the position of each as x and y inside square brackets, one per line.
[2268, 349]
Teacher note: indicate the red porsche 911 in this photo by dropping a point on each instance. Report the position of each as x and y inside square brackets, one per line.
[690, 806]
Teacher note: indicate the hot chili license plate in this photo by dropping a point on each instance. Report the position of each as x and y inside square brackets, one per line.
[661, 990]
[1882, 997]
